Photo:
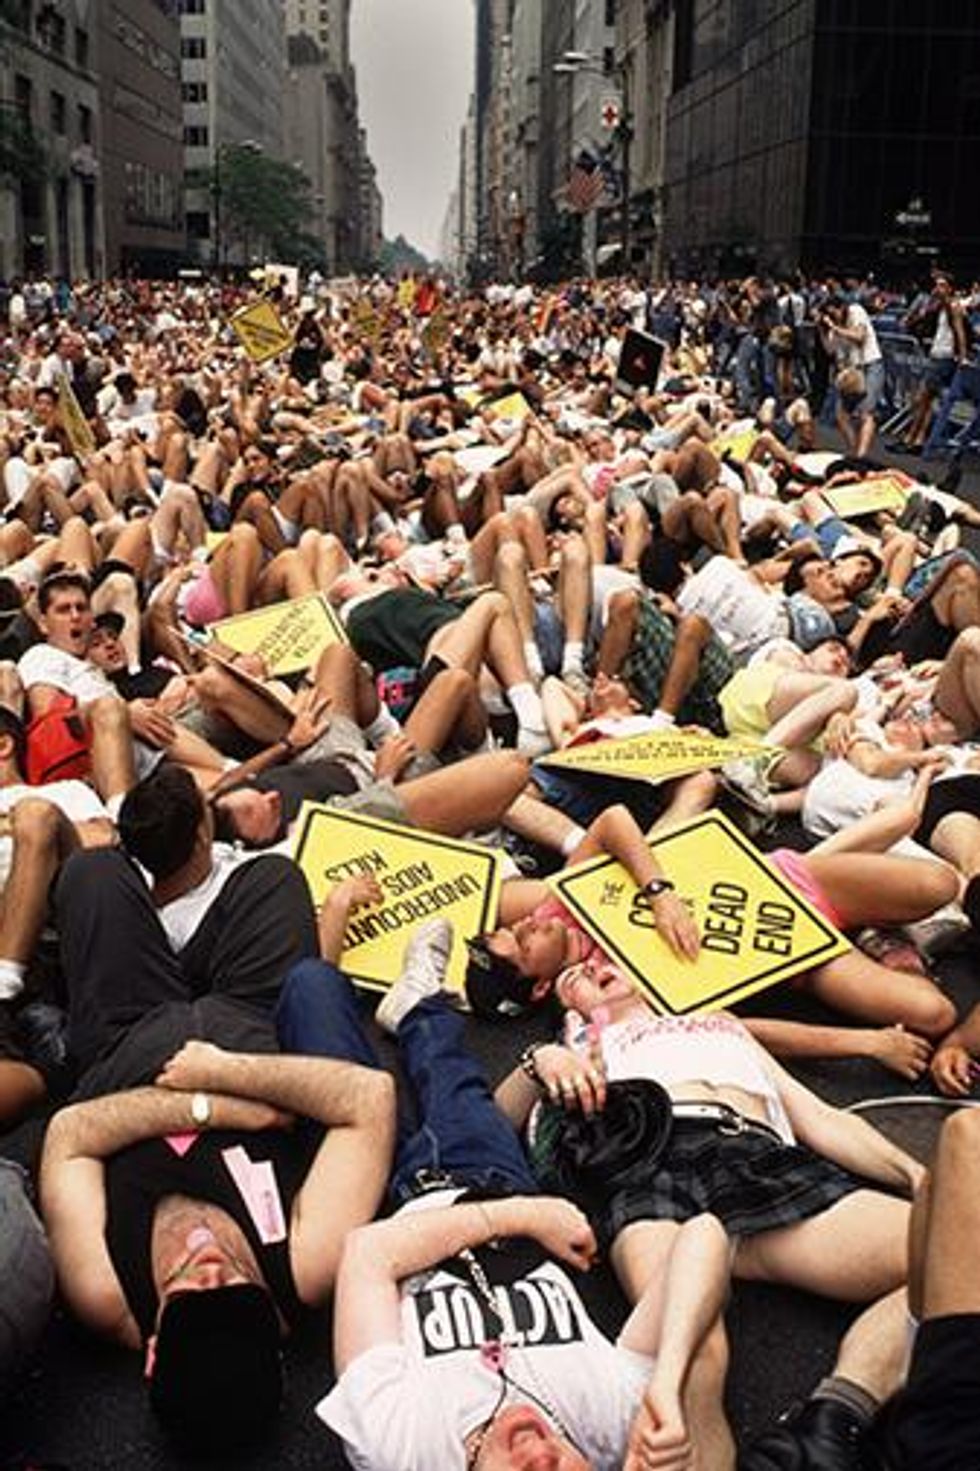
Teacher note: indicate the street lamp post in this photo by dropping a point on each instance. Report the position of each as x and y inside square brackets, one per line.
[573, 62]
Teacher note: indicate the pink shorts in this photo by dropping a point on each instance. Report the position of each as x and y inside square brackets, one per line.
[204, 603]
[794, 867]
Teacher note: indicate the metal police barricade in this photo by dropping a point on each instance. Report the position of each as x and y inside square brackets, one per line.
[905, 365]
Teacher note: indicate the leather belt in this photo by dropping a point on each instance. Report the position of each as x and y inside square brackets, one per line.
[723, 1117]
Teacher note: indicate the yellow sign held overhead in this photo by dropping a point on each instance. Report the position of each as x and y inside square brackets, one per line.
[887, 492]
[655, 758]
[75, 424]
[261, 331]
[422, 876]
[736, 446]
[289, 637]
[755, 927]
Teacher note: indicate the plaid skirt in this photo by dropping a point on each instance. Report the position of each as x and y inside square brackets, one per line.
[647, 662]
[751, 1181]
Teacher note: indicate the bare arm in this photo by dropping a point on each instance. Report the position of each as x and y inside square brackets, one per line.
[616, 832]
[78, 1141]
[377, 1257]
[844, 1138]
[345, 1182]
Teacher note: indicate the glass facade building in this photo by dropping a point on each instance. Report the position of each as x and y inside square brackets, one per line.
[829, 134]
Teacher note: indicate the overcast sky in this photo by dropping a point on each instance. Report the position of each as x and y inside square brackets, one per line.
[414, 61]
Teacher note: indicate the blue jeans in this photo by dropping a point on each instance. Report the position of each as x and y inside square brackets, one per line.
[962, 386]
[461, 1133]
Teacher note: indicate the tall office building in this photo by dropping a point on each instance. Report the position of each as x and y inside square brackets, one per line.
[142, 149]
[233, 71]
[827, 133]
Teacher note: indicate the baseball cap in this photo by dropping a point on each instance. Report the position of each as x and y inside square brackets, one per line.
[849, 546]
[217, 1378]
[111, 621]
[495, 988]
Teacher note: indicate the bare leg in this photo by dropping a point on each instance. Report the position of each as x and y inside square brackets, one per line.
[492, 783]
[113, 769]
[858, 986]
[957, 693]
[235, 567]
[882, 888]
[450, 709]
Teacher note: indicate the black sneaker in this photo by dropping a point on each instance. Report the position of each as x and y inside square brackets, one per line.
[825, 1435]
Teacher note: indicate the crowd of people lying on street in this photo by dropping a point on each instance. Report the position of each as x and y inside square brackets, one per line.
[525, 549]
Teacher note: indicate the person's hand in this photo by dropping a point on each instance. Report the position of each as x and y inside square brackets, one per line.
[675, 924]
[571, 1079]
[839, 734]
[900, 1051]
[196, 1065]
[658, 1435]
[353, 893]
[311, 718]
[151, 724]
[393, 756]
[562, 1229]
[952, 1070]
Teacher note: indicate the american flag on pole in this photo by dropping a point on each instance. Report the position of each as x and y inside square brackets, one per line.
[586, 182]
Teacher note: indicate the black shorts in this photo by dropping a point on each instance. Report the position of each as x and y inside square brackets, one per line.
[951, 794]
[751, 1181]
[934, 1424]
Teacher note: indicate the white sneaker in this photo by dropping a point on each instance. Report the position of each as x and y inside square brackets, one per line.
[423, 972]
[745, 779]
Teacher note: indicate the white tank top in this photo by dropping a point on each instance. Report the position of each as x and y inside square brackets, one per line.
[673, 1050]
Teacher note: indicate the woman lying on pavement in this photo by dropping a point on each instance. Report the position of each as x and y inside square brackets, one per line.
[795, 1182]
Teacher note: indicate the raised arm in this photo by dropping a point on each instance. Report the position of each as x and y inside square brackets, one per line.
[345, 1182]
[377, 1257]
[78, 1141]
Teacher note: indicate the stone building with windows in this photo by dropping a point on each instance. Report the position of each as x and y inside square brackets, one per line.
[51, 208]
[142, 148]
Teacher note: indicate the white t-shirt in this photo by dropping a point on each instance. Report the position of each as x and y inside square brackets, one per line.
[76, 799]
[182, 917]
[739, 609]
[44, 664]
[408, 1406]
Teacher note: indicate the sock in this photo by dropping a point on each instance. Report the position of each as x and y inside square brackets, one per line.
[527, 705]
[662, 720]
[382, 522]
[846, 1392]
[573, 656]
[11, 979]
[532, 659]
[113, 805]
[383, 725]
[571, 841]
[455, 535]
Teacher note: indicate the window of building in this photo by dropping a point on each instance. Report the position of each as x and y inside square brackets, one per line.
[192, 7]
[610, 12]
[58, 112]
[52, 30]
[683, 43]
[81, 48]
[24, 98]
[194, 48]
[198, 224]
[195, 91]
[84, 123]
[196, 137]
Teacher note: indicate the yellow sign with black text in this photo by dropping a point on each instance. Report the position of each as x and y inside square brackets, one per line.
[755, 927]
[654, 758]
[422, 876]
[875, 493]
[289, 637]
[74, 422]
[261, 331]
[513, 406]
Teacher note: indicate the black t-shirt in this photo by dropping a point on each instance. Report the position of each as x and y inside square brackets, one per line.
[139, 1177]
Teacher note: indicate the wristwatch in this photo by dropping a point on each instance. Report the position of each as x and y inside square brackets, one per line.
[657, 887]
[201, 1109]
